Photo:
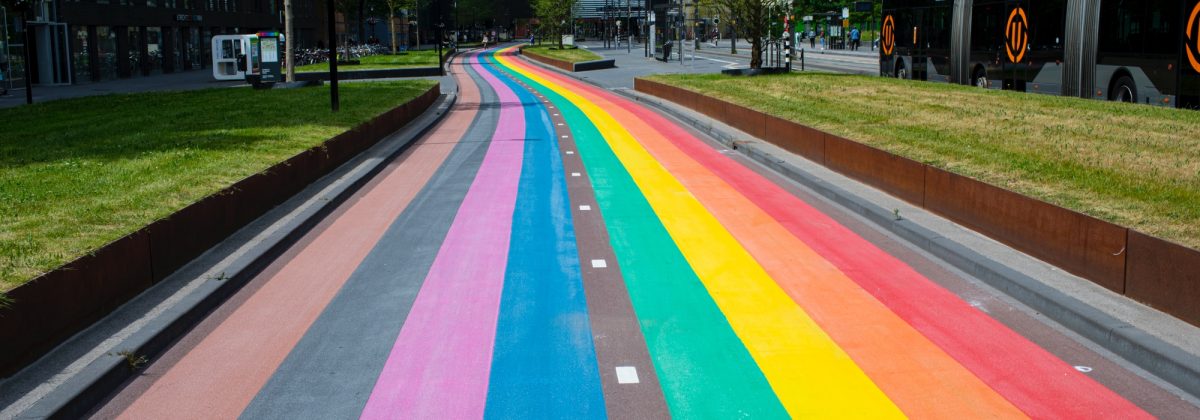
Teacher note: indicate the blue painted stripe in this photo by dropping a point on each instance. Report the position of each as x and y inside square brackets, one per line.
[544, 360]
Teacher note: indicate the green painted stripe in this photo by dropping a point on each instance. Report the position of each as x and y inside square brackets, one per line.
[705, 370]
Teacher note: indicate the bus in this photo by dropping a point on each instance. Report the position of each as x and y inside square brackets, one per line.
[1145, 51]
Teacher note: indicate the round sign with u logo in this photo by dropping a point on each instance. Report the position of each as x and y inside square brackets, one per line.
[1192, 44]
[1016, 35]
[889, 35]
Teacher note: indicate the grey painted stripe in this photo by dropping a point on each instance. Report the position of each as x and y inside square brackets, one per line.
[332, 370]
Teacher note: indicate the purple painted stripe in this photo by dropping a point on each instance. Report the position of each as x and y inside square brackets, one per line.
[441, 361]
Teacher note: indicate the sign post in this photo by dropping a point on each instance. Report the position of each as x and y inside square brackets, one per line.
[789, 37]
[331, 15]
[651, 47]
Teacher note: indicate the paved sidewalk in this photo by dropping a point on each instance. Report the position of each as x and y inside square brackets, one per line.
[188, 80]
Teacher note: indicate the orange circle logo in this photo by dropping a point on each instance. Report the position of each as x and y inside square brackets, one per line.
[889, 35]
[1193, 42]
[1016, 35]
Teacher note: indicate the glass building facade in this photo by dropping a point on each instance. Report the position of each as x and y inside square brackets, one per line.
[97, 40]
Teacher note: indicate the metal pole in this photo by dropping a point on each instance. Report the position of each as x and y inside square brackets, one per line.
[28, 59]
[438, 42]
[628, 27]
[333, 81]
[791, 36]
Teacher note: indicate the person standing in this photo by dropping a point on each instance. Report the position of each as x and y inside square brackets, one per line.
[854, 38]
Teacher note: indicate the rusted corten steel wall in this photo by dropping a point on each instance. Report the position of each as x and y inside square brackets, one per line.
[1154, 271]
[547, 60]
[56, 305]
[1164, 275]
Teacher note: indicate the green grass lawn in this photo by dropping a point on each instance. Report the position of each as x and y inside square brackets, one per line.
[570, 54]
[1134, 165]
[76, 174]
[422, 58]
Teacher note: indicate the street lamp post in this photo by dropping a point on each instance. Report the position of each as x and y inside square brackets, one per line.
[333, 58]
[441, 35]
[28, 57]
[628, 26]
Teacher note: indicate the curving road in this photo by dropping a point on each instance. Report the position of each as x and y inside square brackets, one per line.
[553, 250]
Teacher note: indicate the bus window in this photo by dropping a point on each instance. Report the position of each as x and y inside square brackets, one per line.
[1138, 48]
[1047, 21]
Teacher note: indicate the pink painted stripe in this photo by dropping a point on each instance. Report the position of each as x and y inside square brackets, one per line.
[440, 363]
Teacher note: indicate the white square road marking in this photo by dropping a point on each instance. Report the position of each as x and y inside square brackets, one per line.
[627, 375]
[585, 207]
[599, 264]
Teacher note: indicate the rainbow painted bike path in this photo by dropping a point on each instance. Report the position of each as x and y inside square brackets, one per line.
[553, 250]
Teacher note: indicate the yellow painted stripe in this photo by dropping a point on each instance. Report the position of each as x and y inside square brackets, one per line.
[812, 376]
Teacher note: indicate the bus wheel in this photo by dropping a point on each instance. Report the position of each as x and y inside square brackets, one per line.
[980, 79]
[1124, 90]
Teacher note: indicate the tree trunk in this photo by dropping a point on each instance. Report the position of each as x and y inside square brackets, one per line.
[756, 53]
[289, 41]
[732, 39]
[392, 26]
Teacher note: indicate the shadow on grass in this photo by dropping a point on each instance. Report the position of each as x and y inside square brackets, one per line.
[78, 173]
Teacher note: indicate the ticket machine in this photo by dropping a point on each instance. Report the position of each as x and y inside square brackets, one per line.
[256, 58]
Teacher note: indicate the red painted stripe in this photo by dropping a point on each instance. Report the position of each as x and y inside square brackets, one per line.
[1030, 377]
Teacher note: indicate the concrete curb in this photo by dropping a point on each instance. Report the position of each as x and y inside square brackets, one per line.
[168, 310]
[371, 74]
[1148, 352]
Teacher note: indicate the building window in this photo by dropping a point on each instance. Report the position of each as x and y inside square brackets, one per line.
[195, 51]
[80, 62]
[135, 51]
[154, 49]
[106, 43]
[177, 52]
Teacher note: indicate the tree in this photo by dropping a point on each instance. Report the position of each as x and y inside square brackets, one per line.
[754, 22]
[289, 42]
[748, 18]
[732, 10]
[392, 6]
[554, 15]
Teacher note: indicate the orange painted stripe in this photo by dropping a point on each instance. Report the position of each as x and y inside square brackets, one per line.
[916, 374]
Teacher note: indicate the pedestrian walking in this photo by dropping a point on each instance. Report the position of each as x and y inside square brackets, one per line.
[812, 39]
[854, 38]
